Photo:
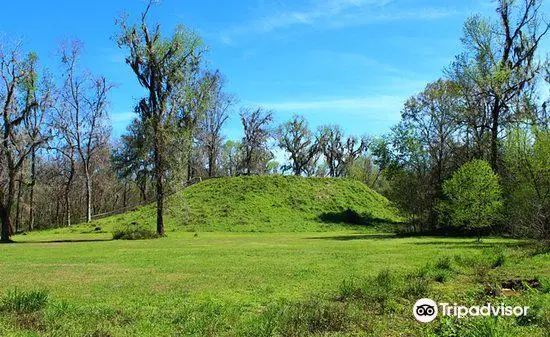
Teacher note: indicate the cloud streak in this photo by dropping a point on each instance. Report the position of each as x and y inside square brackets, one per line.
[333, 14]
[382, 106]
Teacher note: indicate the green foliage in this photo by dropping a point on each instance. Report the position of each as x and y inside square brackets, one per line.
[527, 158]
[133, 231]
[296, 138]
[474, 196]
[366, 171]
[444, 263]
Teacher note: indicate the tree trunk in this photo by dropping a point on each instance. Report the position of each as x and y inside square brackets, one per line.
[68, 206]
[68, 200]
[57, 220]
[142, 185]
[124, 195]
[4, 217]
[211, 163]
[88, 194]
[159, 171]
[32, 183]
[5, 210]
[494, 135]
[18, 208]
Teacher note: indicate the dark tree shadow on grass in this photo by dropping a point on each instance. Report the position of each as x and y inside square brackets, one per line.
[352, 217]
[61, 241]
[352, 237]
[471, 244]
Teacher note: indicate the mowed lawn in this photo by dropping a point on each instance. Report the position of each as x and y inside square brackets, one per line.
[148, 282]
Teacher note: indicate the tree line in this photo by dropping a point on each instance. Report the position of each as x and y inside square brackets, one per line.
[58, 164]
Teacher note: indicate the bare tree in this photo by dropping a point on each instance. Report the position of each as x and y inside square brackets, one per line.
[85, 115]
[296, 138]
[35, 123]
[209, 133]
[256, 154]
[339, 151]
[162, 67]
[66, 154]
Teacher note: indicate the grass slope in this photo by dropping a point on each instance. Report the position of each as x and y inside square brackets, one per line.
[267, 204]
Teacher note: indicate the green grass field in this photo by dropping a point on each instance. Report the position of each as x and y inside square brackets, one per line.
[331, 281]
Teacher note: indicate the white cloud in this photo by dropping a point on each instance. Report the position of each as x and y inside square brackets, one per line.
[381, 107]
[333, 14]
[122, 117]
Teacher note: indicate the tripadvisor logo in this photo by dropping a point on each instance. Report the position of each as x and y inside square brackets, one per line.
[425, 310]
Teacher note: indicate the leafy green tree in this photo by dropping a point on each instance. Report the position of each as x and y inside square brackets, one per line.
[499, 66]
[132, 159]
[230, 157]
[474, 196]
[296, 138]
[166, 68]
[527, 159]
[366, 171]
[254, 146]
[209, 133]
[339, 151]
[424, 145]
[19, 95]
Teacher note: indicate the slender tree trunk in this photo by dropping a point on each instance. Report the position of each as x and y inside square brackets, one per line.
[211, 163]
[494, 135]
[32, 183]
[159, 171]
[88, 184]
[67, 199]
[124, 195]
[68, 206]
[57, 220]
[142, 190]
[18, 207]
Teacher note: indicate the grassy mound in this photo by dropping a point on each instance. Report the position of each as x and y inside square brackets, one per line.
[267, 203]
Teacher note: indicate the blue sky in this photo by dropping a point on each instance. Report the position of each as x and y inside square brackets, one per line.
[349, 62]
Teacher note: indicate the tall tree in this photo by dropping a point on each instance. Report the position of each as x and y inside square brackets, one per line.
[338, 150]
[163, 67]
[215, 116]
[36, 123]
[133, 159]
[296, 138]
[230, 157]
[499, 65]
[85, 110]
[256, 154]
[17, 98]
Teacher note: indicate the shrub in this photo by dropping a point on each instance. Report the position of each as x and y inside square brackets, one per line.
[133, 231]
[498, 260]
[313, 317]
[544, 284]
[23, 302]
[416, 287]
[474, 197]
[440, 275]
[486, 327]
[444, 263]
[482, 272]
[350, 289]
